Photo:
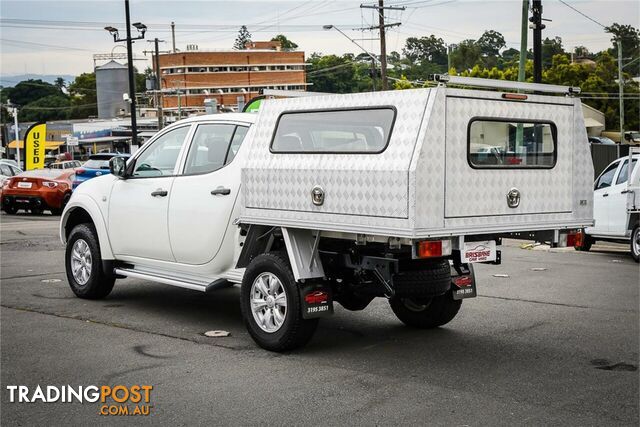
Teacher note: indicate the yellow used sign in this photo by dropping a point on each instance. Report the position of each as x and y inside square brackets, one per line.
[34, 141]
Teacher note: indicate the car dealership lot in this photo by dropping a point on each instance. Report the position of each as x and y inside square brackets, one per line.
[554, 342]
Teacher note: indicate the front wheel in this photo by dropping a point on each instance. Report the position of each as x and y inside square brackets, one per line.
[635, 243]
[271, 305]
[83, 264]
[426, 313]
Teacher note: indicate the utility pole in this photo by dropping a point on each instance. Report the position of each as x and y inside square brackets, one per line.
[383, 40]
[538, 26]
[621, 91]
[173, 37]
[524, 30]
[383, 46]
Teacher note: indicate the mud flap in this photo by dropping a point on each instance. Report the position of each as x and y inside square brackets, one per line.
[463, 281]
[317, 300]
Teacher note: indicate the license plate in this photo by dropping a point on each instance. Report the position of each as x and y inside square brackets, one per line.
[24, 185]
[317, 301]
[479, 251]
[22, 201]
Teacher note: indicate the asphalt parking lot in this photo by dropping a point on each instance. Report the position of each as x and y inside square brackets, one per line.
[555, 342]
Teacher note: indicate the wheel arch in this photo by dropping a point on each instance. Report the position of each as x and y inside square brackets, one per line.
[82, 209]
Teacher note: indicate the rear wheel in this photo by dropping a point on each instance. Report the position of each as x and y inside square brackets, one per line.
[271, 304]
[83, 263]
[58, 211]
[635, 243]
[425, 313]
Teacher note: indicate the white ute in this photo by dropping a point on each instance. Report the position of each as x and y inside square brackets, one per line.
[342, 198]
[616, 205]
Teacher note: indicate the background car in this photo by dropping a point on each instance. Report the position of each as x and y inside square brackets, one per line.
[98, 164]
[8, 168]
[37, 190]
[601, 140]
[66, 164]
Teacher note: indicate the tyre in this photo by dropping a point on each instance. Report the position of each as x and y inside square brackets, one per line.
[424, 279]
[425, 313]
[58, 211]
[11, 210]
[587, 241]
[271, 304]
[635, 243]
[84, 264]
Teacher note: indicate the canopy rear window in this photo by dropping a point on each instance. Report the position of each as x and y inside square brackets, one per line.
[361, 130]
[511, 144]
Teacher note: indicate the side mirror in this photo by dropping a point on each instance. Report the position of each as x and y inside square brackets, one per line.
[118, 167]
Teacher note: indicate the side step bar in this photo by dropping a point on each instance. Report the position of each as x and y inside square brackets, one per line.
[195, 285]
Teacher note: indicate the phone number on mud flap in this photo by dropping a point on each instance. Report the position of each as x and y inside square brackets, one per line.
[318, 309]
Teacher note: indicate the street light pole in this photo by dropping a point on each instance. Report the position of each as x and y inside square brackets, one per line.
[621, 91]
[17, 134]
[142, 29]
[132, 80]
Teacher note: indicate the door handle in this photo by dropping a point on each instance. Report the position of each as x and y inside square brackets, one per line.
[160, 193]
[605, 195]
[221, 191]
[626, 191]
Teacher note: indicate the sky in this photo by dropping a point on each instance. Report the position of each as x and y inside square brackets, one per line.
[60, 37]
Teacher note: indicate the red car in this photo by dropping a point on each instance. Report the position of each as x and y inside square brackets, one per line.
[37, 190]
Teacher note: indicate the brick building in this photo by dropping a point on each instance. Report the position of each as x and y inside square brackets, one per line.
[230, 76]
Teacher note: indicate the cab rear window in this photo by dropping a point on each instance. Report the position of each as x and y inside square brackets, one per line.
[362, 130]
[511, 144]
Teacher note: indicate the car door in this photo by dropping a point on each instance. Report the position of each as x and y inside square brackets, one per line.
[618, 216]
[601, 208]
[204, 194]
[138, 205]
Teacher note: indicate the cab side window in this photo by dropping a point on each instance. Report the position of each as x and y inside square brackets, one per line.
[214, 146]
[160, 158]
[606, 178]
[238, 137]
[208, 150]
[623, 176]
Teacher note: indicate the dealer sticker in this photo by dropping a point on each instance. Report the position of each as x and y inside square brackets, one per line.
[479, 251]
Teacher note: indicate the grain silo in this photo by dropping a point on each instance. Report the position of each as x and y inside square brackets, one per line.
[112, 82]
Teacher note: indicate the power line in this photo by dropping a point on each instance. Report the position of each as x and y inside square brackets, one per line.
[583, 14]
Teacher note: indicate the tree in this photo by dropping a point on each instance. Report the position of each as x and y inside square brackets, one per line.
[31, 90]
[244, 36]
[402, 84]
[285, 43]
[338, 74]
[466, 55]
[84, 98]
[628, 35]
[551, 48]
[430, 49]
[59, 83]
[52, 107]
[491, 43]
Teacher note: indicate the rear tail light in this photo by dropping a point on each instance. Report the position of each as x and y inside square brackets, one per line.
[433, 248]
[50, 184]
